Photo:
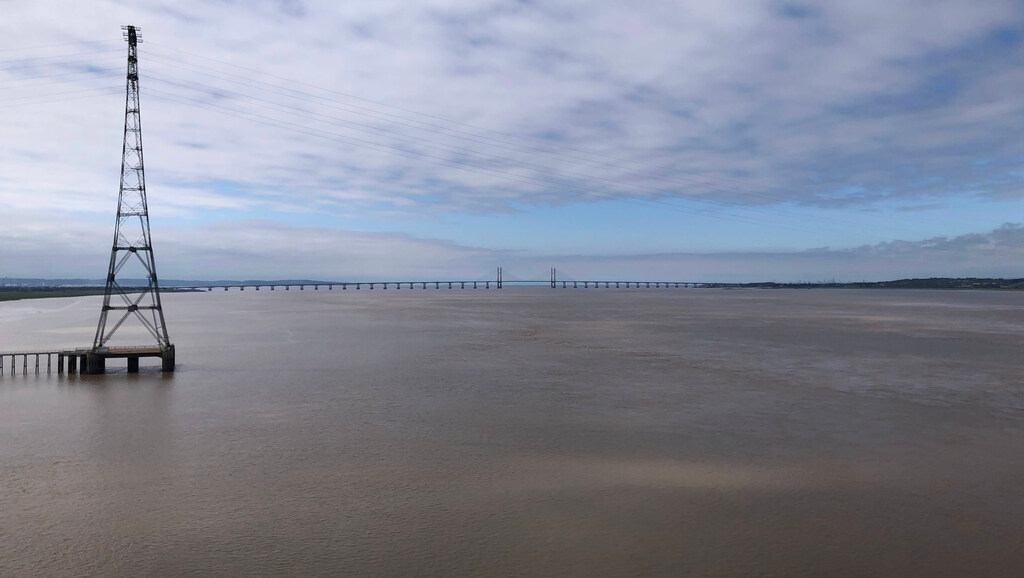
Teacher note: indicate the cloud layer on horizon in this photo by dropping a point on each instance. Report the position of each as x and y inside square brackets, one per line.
[266, 250]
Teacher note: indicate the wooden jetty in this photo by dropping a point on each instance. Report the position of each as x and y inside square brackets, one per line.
[82, 360]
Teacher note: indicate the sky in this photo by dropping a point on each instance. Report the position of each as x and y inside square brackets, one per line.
[415, 140]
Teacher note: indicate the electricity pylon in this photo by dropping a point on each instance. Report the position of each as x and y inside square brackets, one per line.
[133, 245]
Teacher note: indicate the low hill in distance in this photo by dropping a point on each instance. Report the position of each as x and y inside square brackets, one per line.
[930, 283]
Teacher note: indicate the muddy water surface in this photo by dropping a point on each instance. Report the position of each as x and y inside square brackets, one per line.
[526, 432]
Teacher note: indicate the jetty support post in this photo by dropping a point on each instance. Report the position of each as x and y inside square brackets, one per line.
[167, 359]
[95, 363]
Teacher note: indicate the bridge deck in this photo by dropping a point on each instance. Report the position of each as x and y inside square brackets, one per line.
[477, 284]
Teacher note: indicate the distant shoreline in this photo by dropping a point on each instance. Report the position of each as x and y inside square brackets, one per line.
[50, 292]
[14, 292]
[930, 283]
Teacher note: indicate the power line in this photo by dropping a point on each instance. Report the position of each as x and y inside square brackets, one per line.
[415, 124]
[48, 101]
[35, 48]
[61, 82]
[19, 82]
[517, 149]
[35, 97]
[432, 144]
[262, 119]
[600, 161]
[66, 63]
[36, 58]
[547, 151]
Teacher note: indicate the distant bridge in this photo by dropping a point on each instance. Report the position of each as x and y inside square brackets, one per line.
[384, 285]
[497, 283]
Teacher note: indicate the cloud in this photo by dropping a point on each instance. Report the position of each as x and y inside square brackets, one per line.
[757, 103]
[439, 107]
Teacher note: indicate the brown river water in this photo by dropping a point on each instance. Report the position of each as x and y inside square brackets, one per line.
[526, 432]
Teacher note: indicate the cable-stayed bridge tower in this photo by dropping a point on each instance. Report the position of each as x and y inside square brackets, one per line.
[131, 257]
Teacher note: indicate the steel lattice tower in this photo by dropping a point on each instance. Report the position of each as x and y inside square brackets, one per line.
[133, 245]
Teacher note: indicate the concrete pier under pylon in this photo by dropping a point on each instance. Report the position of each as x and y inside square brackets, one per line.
[96, 359]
